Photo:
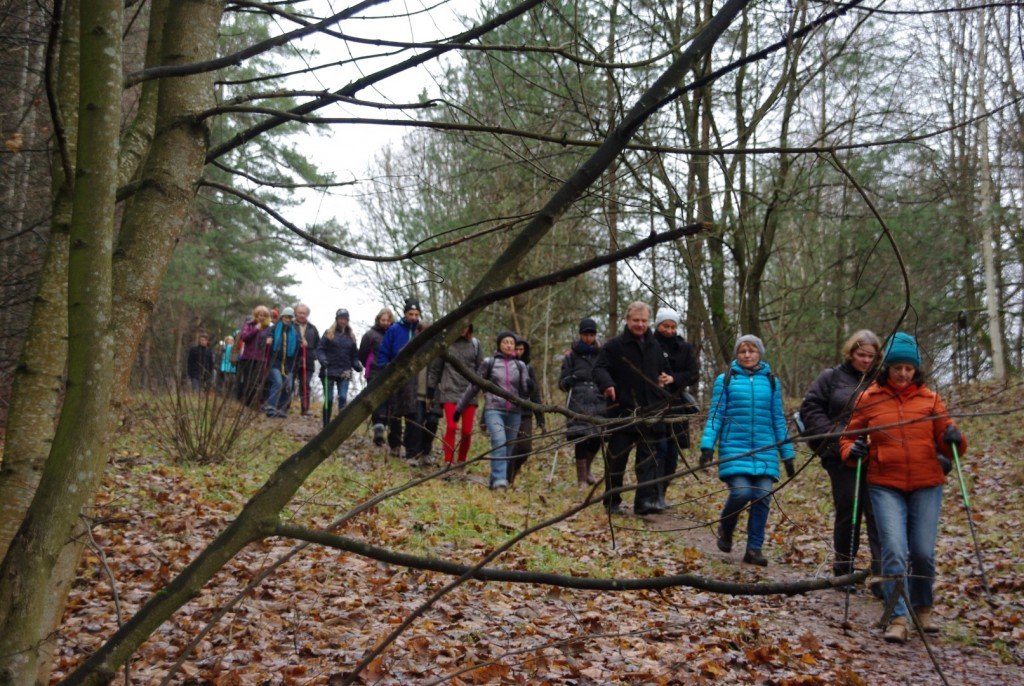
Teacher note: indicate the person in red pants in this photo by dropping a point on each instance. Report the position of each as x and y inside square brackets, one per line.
[445, 385]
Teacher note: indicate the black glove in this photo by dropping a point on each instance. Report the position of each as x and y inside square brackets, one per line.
[859, 449]
[952, 435]
[706, 457]
[456, 415]
[947, 464]
[790, 469]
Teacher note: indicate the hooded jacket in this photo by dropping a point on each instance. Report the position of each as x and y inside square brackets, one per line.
[508, 373]
[368, 345]
[395, 338]
[577, 379]
[534, 396]
[901, 452]
[827, 406]
[746, 420]
[444, 383]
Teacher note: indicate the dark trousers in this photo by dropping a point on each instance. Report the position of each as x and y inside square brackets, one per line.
[409, 438]
[423, 429]
[620, 445]
[844, 481]
[252, 382]
[521, 447]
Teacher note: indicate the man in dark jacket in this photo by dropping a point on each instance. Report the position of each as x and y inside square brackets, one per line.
[199, 368]
[685, 372]
[631, 372]
[309, 338]
[402, 404]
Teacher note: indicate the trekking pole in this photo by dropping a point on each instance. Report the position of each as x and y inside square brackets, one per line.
[327, 400]
[304, 387]
[970, 521]
[853, 542]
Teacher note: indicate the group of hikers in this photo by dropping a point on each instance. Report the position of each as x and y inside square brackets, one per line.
[884, 438]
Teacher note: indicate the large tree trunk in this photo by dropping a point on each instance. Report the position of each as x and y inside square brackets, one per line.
[39, 376]
[78, 455]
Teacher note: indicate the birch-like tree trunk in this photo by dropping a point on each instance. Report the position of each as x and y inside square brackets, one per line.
[78, 454]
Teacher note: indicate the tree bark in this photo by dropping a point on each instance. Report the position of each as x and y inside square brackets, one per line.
[77, 457]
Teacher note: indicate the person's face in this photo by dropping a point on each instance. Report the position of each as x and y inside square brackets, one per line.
[748, 356]
[302, 315]
[588, 337]
[520, 349]
[667, 328]
[901, 374]
[386, 321]
[507, 346]
[287, 319]
[204, 341]
[342, 322]
[637, 321]
[863, 357]
[467, 332]
[412, 316]
[229, 340]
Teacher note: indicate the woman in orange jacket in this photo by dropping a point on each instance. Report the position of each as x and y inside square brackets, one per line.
[906, 448]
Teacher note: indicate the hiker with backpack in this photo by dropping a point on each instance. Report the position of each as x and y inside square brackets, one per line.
[577, 379]
[501, 416]
[747, 423]
[901, 431]
[522, 447]
[445, 386]
[826, 409]
[368, 345]
[401, 406]
[685, 372]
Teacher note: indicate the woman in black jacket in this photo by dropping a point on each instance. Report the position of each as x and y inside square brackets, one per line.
[577, 379]
[338, 357]
[826, 409]
[685, 372]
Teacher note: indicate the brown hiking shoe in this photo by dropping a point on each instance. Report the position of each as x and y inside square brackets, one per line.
[897, 631]
[927, 619]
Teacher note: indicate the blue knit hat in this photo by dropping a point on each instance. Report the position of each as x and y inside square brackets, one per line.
[902, 348]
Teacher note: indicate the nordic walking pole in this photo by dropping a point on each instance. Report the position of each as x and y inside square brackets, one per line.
[327, 400]
[304, 387]
[970, 521]
[853, 541]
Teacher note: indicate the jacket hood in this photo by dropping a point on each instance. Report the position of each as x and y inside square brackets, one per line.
[525, 357]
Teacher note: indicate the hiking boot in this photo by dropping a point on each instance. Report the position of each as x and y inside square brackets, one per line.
[662, 505]
[646, 508]
[724, 540]
[428, 460]
[500, 485]
[615, 509]
[897, 631]
[754, 557]
[414, 461]
[378, 435]
[395, 452]
[927, 619]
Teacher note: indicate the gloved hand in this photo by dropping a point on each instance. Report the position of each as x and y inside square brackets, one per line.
[790, 469]
[706, 457]
[456, 415]
[859, 449]
[947, 464]
[952, 434]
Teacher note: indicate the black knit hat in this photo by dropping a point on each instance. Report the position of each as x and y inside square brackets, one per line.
[341, 313]
[412, 304]
[505, 334]
[588, 325]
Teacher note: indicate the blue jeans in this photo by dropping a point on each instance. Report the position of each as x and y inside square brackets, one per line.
[908, 523]
[744, 489]
[335, 395]
[279, 395]
[503, 426]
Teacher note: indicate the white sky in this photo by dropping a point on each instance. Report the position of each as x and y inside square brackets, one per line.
[349, 149]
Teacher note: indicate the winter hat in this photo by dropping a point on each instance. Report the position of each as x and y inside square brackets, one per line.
[288, 312]
[505, 334]
[902, 348]
[412, 304]
[341, 313]
[588, 325]
[667, 314]
[748, 338]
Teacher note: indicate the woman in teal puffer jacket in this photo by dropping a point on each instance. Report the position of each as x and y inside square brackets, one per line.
[747, 422]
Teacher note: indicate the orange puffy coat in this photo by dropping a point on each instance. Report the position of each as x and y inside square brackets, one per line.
[902, 449]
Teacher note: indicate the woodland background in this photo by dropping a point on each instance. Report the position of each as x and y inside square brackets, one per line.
[825, 167]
